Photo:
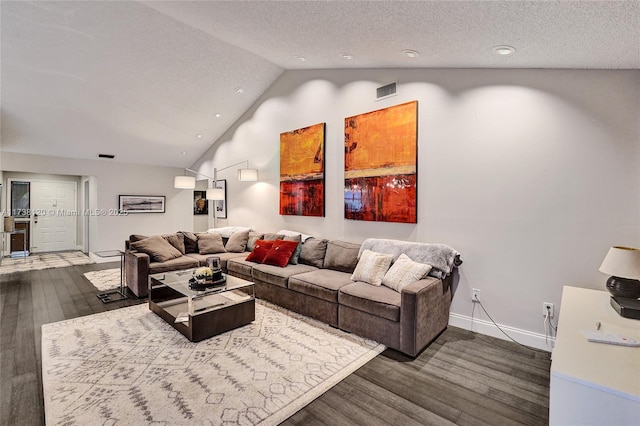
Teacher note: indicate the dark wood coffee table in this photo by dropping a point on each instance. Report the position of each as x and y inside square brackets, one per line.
[199, 315]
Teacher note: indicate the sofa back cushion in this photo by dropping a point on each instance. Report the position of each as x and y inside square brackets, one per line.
[210, 243]
[341, 256]
[176, 240]
[157, 248]
[313, 252]
[190, 242]
[237, 242]
[270, 236]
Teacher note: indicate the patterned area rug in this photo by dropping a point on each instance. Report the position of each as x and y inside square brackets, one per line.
[44, 261]
[128, 366]
[106, 279]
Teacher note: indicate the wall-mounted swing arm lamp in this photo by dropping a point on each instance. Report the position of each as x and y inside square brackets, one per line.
[189, 182]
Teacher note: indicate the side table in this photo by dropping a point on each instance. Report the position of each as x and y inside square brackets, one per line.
[593, 383]
[121, 290]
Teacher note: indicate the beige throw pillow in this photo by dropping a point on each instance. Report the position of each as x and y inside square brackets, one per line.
[403, 272]
[210, 243]
[158, 248]
[237, 242]
[371, 267]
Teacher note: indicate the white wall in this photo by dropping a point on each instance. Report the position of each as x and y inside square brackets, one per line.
[530, 174]
[108, 179]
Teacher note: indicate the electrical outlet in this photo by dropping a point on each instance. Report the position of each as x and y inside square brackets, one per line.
[547, 308]
[475, 294]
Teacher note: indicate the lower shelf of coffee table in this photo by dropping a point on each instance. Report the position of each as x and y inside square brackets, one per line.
[214, 314]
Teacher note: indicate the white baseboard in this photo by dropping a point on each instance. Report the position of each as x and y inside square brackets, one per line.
[527, 338]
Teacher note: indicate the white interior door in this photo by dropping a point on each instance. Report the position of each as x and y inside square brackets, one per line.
[53, 216]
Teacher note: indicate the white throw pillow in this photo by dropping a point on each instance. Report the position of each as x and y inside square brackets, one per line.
[403, 272]
[227, 231]
[371, 267]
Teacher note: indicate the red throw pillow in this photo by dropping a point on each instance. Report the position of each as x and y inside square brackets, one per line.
[260, 251]
[280, 253]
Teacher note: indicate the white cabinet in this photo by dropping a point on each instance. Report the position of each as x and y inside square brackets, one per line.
[593, 383]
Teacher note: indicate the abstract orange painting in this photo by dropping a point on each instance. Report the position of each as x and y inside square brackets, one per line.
[302, 171]
[380, 164]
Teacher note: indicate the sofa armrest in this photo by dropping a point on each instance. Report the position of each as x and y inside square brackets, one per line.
[424, 313]
[136, 266]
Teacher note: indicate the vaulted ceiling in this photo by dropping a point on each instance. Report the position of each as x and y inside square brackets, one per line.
[148, 81]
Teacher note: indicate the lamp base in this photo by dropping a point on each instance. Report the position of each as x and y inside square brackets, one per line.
[627, 308]
[623, 287]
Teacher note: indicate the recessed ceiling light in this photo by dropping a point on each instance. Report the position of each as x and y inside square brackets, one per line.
[301, 58]
[345, 55]
[409, 53]
[199, 136]
[239, 90]
[184, 152]
[503, 50]
[218, 115]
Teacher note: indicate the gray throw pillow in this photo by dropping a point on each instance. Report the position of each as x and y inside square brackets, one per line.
[210, 243]
[237, 242]
[157, 248]
[341, 256]
[296, 254]
[253, 239]
[313, 252]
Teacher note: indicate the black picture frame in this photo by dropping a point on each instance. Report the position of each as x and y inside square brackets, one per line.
[200, 203]
[142, 203]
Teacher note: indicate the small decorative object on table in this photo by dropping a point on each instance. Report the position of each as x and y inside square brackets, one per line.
[205, 277]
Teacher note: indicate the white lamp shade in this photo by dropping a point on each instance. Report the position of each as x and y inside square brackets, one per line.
[247, 175]
[184, 182]
[215, 194]
[622, 262]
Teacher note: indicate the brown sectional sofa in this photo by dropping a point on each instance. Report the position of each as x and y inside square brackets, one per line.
[320, 285]
[139, 265]
[406, 321]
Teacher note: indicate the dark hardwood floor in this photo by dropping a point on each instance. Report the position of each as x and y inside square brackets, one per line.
[462, 378]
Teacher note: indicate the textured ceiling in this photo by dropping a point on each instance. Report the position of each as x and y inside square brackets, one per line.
[142, 79]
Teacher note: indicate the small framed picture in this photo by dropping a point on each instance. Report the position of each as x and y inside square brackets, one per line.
[221, 205]
[200, 204]
[142, 203]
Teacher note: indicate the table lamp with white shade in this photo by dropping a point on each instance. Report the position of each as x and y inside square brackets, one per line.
[623, 264]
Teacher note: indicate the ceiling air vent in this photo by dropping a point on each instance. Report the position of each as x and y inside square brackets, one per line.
[111, 156]
[386, 91]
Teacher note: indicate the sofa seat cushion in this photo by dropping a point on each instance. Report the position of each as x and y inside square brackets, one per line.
[182, 262]
[380, 301]
[224, 258]
[240, 266]
[322, 283]
[276, 275]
